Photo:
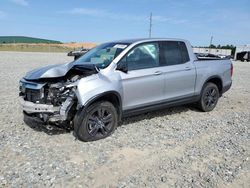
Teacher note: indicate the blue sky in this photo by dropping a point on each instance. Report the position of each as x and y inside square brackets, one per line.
[228, 21]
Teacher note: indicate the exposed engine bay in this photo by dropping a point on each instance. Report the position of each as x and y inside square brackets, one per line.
[53, 100]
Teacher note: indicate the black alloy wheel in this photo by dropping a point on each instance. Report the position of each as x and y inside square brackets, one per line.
[100, 121]
[95, 122]
[209, 97]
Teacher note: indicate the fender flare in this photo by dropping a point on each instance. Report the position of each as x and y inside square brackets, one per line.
[98, 96]
[212, 77]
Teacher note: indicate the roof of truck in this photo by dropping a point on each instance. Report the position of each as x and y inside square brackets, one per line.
[131, 41]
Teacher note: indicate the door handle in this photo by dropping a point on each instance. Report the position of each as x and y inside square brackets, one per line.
[158, 73]
[187, 68]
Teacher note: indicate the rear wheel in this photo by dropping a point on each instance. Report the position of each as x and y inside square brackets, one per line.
[96, 122]
[209, 97]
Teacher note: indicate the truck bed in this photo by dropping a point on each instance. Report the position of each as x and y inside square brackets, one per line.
[209, 68]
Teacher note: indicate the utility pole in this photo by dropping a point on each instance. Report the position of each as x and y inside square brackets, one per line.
[211, 41]
[150, 25]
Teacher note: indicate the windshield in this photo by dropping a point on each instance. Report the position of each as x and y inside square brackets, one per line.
[102, 55]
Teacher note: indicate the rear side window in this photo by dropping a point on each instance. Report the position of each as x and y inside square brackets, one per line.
[174, 53]
[184, 52]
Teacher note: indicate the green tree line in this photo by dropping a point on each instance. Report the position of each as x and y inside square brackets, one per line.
[230, 47]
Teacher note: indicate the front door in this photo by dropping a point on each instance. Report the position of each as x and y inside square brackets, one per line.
[143, 84]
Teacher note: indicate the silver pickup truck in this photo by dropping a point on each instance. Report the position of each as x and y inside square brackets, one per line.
[122, 78]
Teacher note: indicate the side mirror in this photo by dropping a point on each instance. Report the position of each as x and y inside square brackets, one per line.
[122, 66]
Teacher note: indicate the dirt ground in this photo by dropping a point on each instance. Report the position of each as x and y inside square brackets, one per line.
[175, 147]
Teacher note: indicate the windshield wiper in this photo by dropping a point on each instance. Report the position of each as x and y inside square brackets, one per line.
[86, 67]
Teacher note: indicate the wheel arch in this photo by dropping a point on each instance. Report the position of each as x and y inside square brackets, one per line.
[111, 96]
[217, 80]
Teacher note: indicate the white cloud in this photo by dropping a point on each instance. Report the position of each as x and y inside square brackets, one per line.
[169, 20]
[21, 2]
[89, 12]
[160, 18]
[100, 13]
[2, 14]
[105, 14]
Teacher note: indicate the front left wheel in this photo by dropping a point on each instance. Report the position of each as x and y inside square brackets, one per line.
[96, 122]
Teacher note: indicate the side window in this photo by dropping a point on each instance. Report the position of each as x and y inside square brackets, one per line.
[184, 52]
[174, 53]
[143, 56]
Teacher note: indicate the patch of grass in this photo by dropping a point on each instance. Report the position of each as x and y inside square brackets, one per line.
[22, 39]
[34, 48]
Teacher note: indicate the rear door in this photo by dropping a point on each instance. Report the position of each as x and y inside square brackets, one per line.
[143, 84]
[179, 71]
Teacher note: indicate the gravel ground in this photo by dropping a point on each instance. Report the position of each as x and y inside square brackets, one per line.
[176, 147]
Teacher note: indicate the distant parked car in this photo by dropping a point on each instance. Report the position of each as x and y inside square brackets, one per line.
[243, 56]
[222, 56]
[207, 56]
[225, 56]
[78, 53]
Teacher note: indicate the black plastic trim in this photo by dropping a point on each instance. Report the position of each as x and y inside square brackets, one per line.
[226, 88]
[212, 77]
[161, 105]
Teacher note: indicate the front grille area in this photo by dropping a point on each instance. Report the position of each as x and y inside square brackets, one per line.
[32, 95]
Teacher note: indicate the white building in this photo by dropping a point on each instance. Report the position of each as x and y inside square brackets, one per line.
[214, 51]
[242, 49]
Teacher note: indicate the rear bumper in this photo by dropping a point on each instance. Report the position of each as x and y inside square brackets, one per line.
[226, 88]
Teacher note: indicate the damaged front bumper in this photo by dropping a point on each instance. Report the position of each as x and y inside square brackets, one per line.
[45, 112]
[50, 128]
[30, 107]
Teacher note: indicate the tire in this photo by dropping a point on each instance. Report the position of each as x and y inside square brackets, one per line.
[209, 97]
[96, 122]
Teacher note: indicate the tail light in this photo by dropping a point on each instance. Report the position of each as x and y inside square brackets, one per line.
[232, 69]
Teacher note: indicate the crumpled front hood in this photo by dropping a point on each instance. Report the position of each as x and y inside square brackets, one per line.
[51, 71]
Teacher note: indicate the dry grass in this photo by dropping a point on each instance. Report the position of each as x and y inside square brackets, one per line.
[43, 47]
[79, 45]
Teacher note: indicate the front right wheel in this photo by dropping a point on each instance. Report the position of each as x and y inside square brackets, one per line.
[209, 97]
[96, 122]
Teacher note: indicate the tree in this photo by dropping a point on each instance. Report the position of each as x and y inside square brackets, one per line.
[230, 47]
[212, 46]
